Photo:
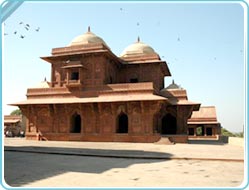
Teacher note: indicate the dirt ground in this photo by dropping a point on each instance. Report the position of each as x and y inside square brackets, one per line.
[25, 169]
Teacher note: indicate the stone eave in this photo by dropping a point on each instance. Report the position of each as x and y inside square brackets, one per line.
[99, 99]
[79, 48]
[53, 58]
[176, 102]
[203, 122]
[107, 93]
[67, 56]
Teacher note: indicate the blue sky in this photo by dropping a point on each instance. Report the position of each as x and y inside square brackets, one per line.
[203, 44]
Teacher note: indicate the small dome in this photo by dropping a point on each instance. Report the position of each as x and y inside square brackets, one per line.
[173, 86]
[43, 84]
[137, 48]
[87, 38]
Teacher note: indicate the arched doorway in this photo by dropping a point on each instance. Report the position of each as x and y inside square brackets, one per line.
[168, 125]
[75, 123]
[122, 123]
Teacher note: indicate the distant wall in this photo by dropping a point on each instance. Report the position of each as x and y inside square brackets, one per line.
[236, 141]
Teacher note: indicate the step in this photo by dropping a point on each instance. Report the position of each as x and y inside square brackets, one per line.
[165, 140]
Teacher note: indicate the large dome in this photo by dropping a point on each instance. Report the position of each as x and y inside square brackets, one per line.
[138, 48]
[87, 38]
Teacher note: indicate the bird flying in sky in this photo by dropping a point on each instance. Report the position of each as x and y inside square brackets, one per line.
[22, 30]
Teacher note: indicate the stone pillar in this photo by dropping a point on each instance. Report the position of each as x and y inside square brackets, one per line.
[67, 118]
[96, 108]
[67, 77]
[214, 131]
[32, 124]
[135, 118]
[149, 123]
[25, 113]
[150, 110]
[114, 113]
[129, 114]
[52, 75]
[183, 114]
[106, 118]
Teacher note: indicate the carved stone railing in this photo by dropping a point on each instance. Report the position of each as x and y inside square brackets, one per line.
[131, 86]
[180, 94]
[73, 83]
[145, 87]
[75, 48]
[46, 91]
[127, 87]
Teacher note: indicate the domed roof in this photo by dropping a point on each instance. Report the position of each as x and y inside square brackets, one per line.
[87, 38]
[43, 84]
[137, 48]
[173, 86]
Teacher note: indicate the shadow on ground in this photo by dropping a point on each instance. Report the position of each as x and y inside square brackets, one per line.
[208, 142]
[22, 167]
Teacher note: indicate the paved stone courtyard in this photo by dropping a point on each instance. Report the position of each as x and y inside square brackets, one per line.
[181, 169]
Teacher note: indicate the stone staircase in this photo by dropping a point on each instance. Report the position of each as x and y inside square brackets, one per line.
[165, 140]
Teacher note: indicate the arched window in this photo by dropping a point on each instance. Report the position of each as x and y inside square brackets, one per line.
[122, 123]
[168, 125]
[75, 123]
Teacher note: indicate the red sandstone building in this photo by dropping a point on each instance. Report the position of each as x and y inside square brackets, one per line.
[203, 123]
[12, 125]
[95, 95]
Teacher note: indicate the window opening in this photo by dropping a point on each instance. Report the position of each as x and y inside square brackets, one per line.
[191, 131]
[75, 76]
[133, 80]
[209, 131]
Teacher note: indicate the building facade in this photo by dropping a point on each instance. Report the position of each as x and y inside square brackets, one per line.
[13, 126]
[203, 123]
[95, 95]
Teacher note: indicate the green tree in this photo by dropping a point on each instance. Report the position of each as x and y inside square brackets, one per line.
[199, 131]
[16, 112]
[240, 134]
[225, 132]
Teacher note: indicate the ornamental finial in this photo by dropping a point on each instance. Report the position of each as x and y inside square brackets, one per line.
[138, 39]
